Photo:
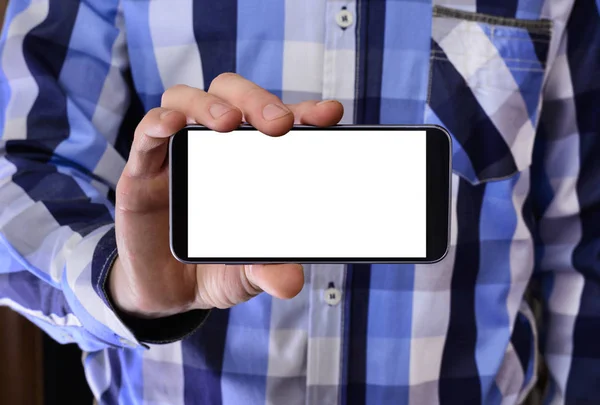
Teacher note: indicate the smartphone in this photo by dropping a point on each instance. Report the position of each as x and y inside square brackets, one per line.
[341, 194]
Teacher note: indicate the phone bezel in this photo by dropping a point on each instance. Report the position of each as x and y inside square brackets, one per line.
[439, 192]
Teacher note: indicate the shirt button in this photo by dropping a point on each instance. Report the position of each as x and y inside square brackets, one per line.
[332, 296]
[344, 18]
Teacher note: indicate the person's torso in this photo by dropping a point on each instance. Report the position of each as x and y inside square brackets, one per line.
[458, 331]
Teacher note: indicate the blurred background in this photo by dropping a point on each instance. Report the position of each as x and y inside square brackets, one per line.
[34, 370]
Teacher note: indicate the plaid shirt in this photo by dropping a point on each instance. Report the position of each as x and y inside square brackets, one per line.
[517, 84]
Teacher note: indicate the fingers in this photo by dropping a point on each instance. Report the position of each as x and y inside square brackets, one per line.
[229, 99]
[261, 109]
[150, 141]
[203, 108]
[319, 113]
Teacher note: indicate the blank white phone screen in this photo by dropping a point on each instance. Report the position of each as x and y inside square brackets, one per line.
[307, 194]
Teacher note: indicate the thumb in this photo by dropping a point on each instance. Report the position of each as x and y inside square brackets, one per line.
[279, 280]
[221, 286]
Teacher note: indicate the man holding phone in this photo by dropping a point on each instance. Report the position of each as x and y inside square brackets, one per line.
[84, 197]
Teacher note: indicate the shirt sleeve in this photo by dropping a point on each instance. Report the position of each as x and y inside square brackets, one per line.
[65, 95]
[566, 185]
[63, 98]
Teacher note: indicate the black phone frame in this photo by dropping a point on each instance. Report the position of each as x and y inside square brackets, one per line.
[439, 194]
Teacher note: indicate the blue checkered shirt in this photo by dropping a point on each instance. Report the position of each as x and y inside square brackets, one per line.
[517, 84]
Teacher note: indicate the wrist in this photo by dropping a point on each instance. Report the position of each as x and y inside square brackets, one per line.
[119, 290]
[155, 329]
[147, 303]
[123, 296]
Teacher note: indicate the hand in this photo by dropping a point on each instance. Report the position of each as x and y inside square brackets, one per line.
[146, 280]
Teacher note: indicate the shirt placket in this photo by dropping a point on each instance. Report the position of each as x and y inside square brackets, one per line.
[325, 333]
[339, 62]
[327, 281]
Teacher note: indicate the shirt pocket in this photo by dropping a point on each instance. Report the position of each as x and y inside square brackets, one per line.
[485, 87]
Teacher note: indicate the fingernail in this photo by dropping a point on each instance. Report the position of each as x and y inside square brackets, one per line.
[274, 111]
[325, 102]
[164, 114]
[218, 110]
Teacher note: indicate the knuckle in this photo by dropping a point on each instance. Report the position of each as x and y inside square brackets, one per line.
[256, 93]
[198, 98]
[225, 76]
[155, 112]
[150, 119]
[167, 95]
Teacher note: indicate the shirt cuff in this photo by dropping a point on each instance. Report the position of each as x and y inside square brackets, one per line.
[86, 290]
